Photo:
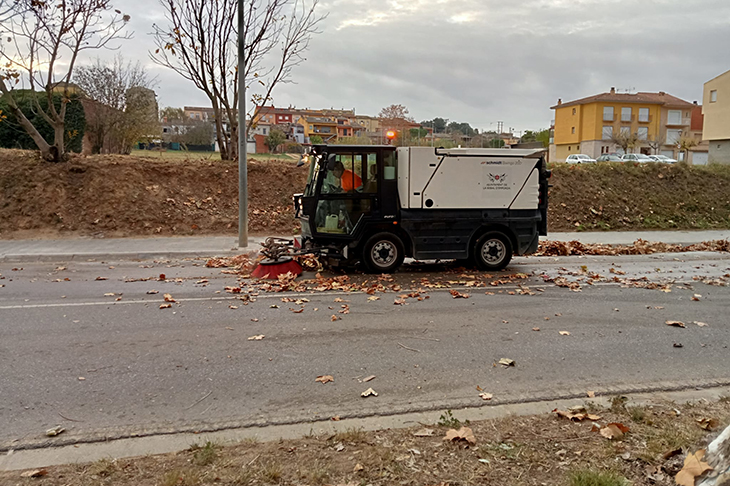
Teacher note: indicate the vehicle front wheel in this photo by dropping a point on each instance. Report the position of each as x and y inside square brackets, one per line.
[383, 253]
[493, 251]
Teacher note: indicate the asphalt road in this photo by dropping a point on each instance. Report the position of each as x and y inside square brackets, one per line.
[72, 355]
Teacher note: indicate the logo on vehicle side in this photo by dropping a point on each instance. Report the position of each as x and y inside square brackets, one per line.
[498, 178]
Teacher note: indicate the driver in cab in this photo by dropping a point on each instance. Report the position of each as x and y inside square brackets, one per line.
[349, 181]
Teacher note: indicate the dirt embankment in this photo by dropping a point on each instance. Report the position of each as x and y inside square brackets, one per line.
[128, 196]
[621, 197]
[115, 196]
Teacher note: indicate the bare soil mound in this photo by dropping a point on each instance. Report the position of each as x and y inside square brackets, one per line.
[115, 196]
[129, 196]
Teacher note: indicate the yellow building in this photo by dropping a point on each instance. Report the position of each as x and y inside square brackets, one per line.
[586, 126]
[716, 111]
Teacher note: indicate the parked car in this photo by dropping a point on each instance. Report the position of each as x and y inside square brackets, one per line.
[579, 159]
[663, 158]
[636, 158]
[609, 158]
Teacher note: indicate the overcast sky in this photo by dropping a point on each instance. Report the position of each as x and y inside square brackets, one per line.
[483, 61]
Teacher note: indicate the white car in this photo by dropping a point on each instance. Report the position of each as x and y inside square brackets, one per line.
[579, 159]
[663, 158]
[636, 158]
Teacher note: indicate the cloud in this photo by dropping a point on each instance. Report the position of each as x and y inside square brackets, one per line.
[483, 61]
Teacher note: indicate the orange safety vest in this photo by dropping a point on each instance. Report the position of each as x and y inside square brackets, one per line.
[350, 181]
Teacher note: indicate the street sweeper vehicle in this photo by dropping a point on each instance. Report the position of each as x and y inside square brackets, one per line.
[380, 204]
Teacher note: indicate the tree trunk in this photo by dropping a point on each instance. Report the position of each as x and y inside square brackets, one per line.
[40, 142]
[59, 143]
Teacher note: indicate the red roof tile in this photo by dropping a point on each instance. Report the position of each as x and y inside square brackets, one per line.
[659, 98]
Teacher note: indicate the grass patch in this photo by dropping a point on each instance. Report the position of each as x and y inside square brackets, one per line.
[181, 477]
[351, 435]
[206, 454]
[590, 477]
[447, 419]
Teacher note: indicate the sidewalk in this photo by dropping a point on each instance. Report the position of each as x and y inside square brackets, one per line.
[83, 249]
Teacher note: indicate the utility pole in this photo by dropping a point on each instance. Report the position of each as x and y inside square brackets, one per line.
[242, 138]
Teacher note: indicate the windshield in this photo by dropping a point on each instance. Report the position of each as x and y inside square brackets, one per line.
[642, 157]
[312, 178]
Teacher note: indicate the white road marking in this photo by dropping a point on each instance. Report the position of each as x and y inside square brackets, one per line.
[275, 295]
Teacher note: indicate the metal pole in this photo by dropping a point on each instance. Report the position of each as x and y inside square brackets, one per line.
[242, 138]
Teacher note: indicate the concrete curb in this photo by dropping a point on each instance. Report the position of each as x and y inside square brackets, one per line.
[160, 444]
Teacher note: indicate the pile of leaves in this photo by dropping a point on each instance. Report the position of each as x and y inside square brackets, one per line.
[639, 247]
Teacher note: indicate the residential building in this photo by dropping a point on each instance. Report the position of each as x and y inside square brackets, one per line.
[273, 115]
[322, 126]
[716, 111]
[698, 155]
[586, 126]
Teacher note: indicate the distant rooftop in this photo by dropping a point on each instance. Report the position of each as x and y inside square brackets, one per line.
[660, 98]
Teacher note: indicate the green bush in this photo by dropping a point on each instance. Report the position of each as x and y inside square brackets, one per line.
[12, 135]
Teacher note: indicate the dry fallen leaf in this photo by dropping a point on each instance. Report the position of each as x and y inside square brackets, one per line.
[109, 294]
[369, 393]
[507, 362]
[614, 430]
[675, 323]
[564, 333]
[358, 468]
[535, 328]
[423, 433]
[708, 423]
[165, 306]
[577, 414]
[335, 318]
[486, 396]
[701, 324]
[33, 473]
[231, 306]
[373, 298]
[153, 292]
[258, 337]
[368, 378]
[696, 297]
[693, 467]
[325, 379]
[591, 394]
[458, 295]
[168, 298]
[297, 311]
[464, 433]
[55, 431]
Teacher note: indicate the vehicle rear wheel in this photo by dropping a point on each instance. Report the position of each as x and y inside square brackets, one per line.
[383, 253]
[493, 251]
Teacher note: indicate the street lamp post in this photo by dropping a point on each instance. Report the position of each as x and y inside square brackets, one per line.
[242, 138]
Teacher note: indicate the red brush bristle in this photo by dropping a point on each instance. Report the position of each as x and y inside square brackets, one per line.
[273, 270]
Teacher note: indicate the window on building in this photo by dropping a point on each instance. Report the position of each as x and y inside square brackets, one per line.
[643, 133]
[713, 96]
[574, 111]
[626, 114]
[572, 130]
[643, 114]
[673, 136]
[625, 131]
[607, 132]
[674, 117]
[568, 148]
[608, 113]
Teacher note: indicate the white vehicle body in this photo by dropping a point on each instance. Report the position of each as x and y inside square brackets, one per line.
[636, 158]
[579, 159]
[485, 178]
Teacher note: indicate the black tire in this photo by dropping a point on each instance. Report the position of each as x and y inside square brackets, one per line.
[383, 253]
[493, 251]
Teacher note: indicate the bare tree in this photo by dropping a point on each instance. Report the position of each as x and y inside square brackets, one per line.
[396, 117]
[112, 117]
[685, 143]
[625, 139]
[656, 143]
[47, 38]
[199, 42]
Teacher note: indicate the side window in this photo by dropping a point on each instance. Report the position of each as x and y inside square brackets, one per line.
[370, 172]
[389, 166]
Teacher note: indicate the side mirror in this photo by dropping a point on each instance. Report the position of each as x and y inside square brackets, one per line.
[331, 160]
